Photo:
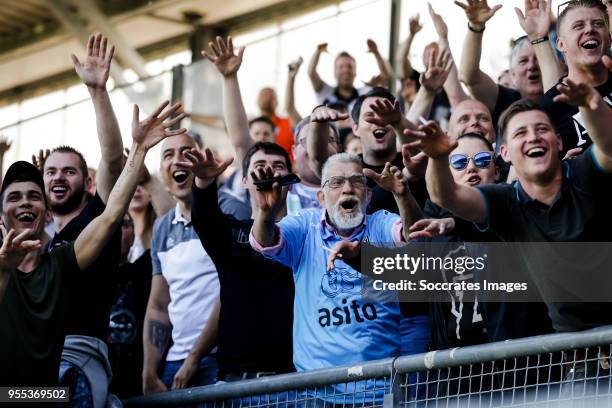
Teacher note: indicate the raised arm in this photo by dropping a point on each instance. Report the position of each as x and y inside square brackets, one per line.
[383, 66]
[161, 200]
[452, 86]
[465, 202]
[536, 24]
[319, 134]
[94, 72]
[270, 204]
[402, 58]
[389, 114]
[394, 180]
[294, 115]
[315, 79]
[228, 63]
[597, 116]
[481, 86]
[145, 135]
[432, 81]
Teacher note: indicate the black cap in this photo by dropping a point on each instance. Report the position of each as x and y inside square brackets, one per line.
[21, 171]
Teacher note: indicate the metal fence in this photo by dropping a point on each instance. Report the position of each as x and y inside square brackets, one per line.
[556, 370]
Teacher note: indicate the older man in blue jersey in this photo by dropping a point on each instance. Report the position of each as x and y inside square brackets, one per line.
[334, 324]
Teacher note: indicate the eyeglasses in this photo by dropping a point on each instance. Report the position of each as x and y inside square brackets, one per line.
[336, 182]
[482, 160]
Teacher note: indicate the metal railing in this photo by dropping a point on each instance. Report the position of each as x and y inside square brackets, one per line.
[556, 370]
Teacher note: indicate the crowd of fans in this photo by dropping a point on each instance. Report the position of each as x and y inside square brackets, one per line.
[129, 283]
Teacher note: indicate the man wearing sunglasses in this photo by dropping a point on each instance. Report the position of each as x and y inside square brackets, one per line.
[584, 37]
[335, 323]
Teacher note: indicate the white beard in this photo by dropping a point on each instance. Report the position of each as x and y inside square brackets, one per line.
[344, 221]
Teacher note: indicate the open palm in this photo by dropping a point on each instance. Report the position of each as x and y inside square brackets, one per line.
[431, 139]
[224, 58]
[478, 12]
[95, 68]
[153, 129]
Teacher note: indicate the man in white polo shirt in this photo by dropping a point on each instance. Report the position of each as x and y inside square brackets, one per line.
[184, 297]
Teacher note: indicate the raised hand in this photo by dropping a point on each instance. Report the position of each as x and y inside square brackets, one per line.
[204, 165]
[95, 68]
[38, 160]
[438, 22]
[537, 18]
[222, 55]
[15, 248]
[432, 140]
[270, 201]
[294, 67]
[437, 70]
[153, 129]
[372, 46]
[414, 25]
[323, 114]
[414, 166]
[5, 145]
[391, 179]
[478, 12]
[342, 249]
[145, 175]
[431, 227]
[386, 113]
[579, 95]
[322, 48]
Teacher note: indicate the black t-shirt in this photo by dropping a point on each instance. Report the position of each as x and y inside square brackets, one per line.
[383, 200]
[567, 118]
[92, 292]
[580, 213]
[256, 318]
[125, 326]
[505, 98]
[499, 320]
[32, 320]
[455, 323]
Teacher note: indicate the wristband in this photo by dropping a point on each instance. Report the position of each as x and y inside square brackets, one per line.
[475, 30]
[539, 40]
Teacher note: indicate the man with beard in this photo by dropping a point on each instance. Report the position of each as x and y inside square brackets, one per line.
[66, 180]
[34, 285]
[334, 324]
[532, 60]
[584, 37]
[184, 280]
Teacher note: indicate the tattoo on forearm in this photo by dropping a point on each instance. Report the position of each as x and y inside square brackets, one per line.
[159, 334]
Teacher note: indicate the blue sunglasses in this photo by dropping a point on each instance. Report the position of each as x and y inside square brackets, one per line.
[482, 160]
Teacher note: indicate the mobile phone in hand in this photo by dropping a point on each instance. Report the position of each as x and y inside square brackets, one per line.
[286, 180]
